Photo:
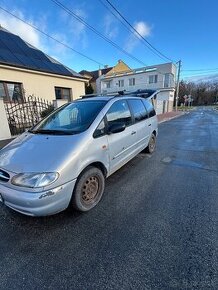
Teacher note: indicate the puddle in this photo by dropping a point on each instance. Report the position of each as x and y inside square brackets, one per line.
[186, 163]
[167, 160]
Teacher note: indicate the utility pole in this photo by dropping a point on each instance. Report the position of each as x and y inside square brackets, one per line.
[177, 83]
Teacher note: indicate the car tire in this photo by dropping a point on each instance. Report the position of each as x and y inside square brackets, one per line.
[88, 190]
[151, 144]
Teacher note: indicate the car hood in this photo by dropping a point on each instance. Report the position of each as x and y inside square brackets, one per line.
[38, 153]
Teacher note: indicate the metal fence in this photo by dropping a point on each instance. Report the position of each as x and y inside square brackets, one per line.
[24, 114]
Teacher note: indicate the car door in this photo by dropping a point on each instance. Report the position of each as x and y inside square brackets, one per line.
[142, 123]
[151, 115]
[121, 145]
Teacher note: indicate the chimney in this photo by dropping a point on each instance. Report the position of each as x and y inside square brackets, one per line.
[106, 66]
[99, 72]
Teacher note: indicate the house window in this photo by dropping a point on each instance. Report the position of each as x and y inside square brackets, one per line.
[11, 91]
[168, 80]
[152, 79]
[132, 82]
[121, 83]
[108, 85]
[62, 93]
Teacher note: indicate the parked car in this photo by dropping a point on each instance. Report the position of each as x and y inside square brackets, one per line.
[66, 157]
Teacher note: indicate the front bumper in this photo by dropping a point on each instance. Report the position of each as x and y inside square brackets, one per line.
[38, 203]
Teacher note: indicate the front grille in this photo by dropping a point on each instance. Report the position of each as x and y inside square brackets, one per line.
[4, 176]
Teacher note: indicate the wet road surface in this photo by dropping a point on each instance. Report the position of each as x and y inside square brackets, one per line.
[156, 227]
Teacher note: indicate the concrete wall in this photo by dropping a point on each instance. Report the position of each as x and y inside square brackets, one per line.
[164, 102]
[4, 128]
[41, 84]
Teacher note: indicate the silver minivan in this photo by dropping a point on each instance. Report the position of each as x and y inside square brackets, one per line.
[66, 157]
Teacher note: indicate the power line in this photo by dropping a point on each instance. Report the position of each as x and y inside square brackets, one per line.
[127, 27]
[51, 37]
[54, 39]
[199, 74]
[116, 16]
[206, 69]
[81, 20]
[149, 45]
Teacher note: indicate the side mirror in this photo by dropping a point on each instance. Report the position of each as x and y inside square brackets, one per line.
[116, 128]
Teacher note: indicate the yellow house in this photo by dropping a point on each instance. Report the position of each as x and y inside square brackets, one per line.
[120, 67]
[92, 76]
[25, 71]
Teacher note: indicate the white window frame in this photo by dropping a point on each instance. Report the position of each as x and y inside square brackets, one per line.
[132, 82]
[170, 82]
[152, 79]
[121, 83]
[108, 85]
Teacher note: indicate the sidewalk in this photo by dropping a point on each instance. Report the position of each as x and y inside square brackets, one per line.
[168, 116]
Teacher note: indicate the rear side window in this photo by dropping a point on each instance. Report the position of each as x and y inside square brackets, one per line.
[119, 112]
[150, 108]
[138, 110]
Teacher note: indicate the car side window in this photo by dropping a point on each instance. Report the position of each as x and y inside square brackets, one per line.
[138, 109]
[100, 130]
[150, 108]
[119, 112]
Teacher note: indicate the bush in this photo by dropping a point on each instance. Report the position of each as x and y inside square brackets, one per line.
[47, 111]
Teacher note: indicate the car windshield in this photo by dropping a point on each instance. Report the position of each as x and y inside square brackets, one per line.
[71, 119]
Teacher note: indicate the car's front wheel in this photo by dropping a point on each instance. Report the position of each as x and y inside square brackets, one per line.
[89, 189]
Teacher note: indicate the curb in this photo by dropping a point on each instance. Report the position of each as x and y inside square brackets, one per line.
[174, 117]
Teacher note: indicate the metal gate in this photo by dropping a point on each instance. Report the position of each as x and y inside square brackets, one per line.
[24, 114]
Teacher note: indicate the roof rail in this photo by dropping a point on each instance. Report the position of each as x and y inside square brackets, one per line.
[90, 96]
[138, 93]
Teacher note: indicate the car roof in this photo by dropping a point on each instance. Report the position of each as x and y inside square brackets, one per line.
[97, 98]
[108, 98]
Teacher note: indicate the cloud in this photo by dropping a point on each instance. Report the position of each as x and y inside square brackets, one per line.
[40, 41]
[58, 48]
[34, 37]
[76, 29]
[18, 27]
[203, 78]
[110, 26]
[132, 41]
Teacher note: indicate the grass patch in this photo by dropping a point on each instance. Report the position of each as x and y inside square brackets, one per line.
[185, 108]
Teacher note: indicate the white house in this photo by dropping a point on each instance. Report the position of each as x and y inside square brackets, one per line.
[158, 77]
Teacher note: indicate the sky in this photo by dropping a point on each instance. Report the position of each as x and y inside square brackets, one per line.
[185, 30]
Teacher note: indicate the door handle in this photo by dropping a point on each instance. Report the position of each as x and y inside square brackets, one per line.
[133, 133]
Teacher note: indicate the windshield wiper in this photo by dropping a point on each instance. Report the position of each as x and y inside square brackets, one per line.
[51, 132]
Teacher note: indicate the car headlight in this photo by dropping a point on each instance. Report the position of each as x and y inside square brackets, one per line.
[34, 180]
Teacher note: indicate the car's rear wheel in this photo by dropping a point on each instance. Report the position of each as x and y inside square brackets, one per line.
[89, 189]
[151, 145]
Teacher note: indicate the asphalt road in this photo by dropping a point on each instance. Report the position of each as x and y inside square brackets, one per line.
[156, 227]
